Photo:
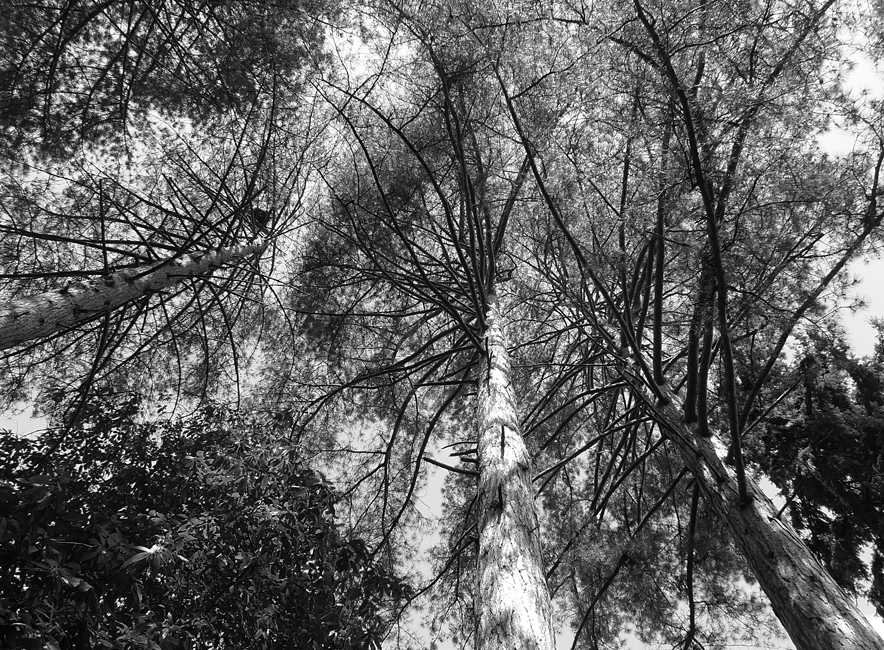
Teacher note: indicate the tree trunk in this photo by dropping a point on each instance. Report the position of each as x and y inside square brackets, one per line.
[44, 314]
[512, 600]
[816, 612]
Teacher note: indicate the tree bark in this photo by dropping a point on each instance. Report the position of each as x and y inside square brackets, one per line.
[512, 600]
[44, 314]
[814, 610]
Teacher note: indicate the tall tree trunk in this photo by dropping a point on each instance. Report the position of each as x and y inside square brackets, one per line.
[44, 314]
[815, 611]
[512, 599]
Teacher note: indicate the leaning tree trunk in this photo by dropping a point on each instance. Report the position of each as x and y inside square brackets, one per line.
[512, 600]
[44, 314]
[815, 611]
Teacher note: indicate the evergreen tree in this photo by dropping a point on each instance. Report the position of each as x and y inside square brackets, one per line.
[822, 448]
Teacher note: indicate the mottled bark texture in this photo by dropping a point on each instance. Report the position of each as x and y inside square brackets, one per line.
[43, 314]
[816, 612]
[512, 600]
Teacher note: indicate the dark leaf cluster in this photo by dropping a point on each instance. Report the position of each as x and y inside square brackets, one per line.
[192, 534]
[826, 454]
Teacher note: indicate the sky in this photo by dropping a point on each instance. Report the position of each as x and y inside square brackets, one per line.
[860, 332]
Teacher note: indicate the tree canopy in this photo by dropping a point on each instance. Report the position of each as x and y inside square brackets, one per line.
[581, 264]
[201, 533]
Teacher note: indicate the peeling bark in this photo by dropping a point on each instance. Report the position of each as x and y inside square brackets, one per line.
[512, 599]
[44, 314]
[816, 612]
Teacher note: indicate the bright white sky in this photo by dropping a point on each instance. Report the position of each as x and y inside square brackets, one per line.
[860, 332]
[865, 79]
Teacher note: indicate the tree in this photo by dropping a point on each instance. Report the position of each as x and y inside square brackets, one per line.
[611, 289]
[636, 195]
[424, 252]
[658, 41]
[179, 534]
[147, 132]
[823, 450]
[75, 72]
[46, 314]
